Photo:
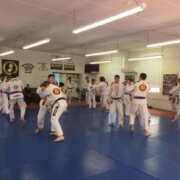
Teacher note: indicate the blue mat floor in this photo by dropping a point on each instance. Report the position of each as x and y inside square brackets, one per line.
[92, 150]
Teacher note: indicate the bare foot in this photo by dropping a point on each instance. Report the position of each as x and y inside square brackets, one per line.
[53, 133]
[37, 130]
[59, 139]
[12, 120]
[121, 125]
[111, 124]
[173, 120]
[147, 134]
[23, 120]
[132, 128]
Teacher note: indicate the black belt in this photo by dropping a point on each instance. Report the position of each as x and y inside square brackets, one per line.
[128, 94]
[70, 88]
[62, 98]
[139, 97]
[118, 98]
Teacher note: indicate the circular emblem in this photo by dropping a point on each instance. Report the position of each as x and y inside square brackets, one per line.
[56, 91]
[142, 87]
[15, 87]
[10, 67]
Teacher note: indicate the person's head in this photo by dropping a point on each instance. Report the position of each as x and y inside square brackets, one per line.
[174, 83]
[51, 78]
[69, 79]
[92, 81]
[87, 78]
[178, 81]
[61, 84]
[27, 85]
[3, 77]
[9, 77]
[142, 76]
[45, 84]
[116, 78]
[102, 79]
[129, 81]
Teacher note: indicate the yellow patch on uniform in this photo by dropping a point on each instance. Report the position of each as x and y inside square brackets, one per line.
[142, 87]
[56, 91]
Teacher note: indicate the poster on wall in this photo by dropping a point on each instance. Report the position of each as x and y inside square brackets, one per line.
[28, 68]
[43, 67]
[167, 82]
[56, 66]
[10, 67]
[129, 76]
[68, 67]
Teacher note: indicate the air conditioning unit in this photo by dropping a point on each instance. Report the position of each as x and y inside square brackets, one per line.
[128, 70]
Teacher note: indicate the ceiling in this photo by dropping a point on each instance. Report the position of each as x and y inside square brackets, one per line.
[27, 21]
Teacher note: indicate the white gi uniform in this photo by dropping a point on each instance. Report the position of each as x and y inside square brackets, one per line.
[92, 96]
[127, 101]
[1, 101]
[86, 85]
[5, 98]
[103, 98]
[116, 102]
[139, 102]
[173, 99]
[70, 85]
[15, 87]
[55, 99]
[177, 91]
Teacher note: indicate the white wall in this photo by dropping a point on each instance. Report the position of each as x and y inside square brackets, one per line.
[35, 57]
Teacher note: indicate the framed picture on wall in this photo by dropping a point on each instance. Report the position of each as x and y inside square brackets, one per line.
[167, 82]
[10, 67]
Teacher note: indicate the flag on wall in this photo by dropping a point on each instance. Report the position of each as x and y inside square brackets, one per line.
[10, 67]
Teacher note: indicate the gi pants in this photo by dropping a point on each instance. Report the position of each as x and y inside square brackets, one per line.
[21, 104]
[127, 102]
[56, 113]
[5, 103]
[142, 109]
[92, 100]
[103, 101]
[116, 105]
[69, 96]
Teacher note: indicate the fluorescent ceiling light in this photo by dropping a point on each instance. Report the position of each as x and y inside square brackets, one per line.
[164, 43]
[100, 62]
[102, 53]
[7, 53]
[144, 58]
[112, 18]
[60, 59]
[38, 43]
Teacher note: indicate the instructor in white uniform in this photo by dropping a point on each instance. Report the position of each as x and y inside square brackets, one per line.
[139, 102]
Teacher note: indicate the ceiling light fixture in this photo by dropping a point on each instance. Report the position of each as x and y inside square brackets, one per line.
[164, 43]
[101, 53]
[112, 18]
[100, 62]
[60, 59]
[7, 53]
[145, 58]
[38, 43]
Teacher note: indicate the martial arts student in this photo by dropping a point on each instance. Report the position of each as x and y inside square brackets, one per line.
[70, 86]
[128, 98]
[86, 89]
[56, 100]
[103, 99]
[173, 97]
[44, 108]
[176, 90]
[1, 101]
[15, 88]
[139, 102]
[92, 94]
[5, 95]
[116, 101]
